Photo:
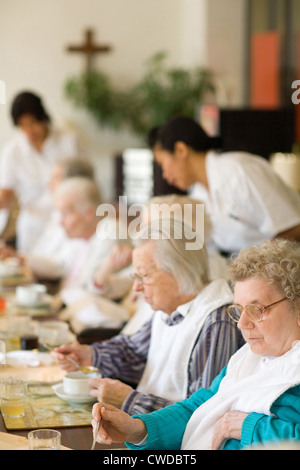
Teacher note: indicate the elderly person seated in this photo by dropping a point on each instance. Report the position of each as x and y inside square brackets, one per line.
[256, 398]
[53, 253]
[188, 340]
[77, 200]
[113, 278]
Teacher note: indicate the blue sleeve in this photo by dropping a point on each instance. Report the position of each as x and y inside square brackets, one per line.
[284, 424]
[166, 426]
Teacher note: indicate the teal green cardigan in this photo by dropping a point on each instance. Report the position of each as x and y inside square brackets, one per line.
[166, 426]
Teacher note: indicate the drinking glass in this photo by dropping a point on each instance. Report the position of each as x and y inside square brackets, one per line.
[44, 439]
[13, 397]
[18, 325]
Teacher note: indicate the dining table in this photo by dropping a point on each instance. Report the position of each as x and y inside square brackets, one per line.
[45, 407]
[46, 410]
[72, 438]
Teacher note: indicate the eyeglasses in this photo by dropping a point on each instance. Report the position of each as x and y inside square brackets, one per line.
[142, 279]
[254, 312]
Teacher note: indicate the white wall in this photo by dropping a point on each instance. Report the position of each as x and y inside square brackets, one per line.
[35, 33]
[226, 53]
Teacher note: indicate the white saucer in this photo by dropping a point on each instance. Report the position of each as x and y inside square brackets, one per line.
[59, 391]
[28, 359]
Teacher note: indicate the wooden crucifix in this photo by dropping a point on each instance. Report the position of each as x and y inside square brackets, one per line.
[89, 48]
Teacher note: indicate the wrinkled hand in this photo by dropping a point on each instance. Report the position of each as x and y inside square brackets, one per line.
[228, 427]
[109, 391]
[81, 353]
[116, 425]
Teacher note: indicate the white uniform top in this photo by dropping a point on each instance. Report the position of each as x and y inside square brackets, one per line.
[89, 259]
[54, 253]
[247, 202]
[27, 172]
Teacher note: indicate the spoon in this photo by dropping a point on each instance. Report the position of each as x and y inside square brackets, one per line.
[95, 435]
[83, 369]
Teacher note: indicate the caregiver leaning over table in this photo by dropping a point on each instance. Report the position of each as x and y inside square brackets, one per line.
[256, 398]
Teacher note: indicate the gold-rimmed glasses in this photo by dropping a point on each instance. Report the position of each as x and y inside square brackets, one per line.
[254, 312]
[142, 279]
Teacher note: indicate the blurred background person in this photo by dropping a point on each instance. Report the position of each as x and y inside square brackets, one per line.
[26, 166]
[54, 252]
[246, 200]
[77, 200]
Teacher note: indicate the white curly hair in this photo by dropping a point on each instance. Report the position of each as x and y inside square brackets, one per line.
[278, 261]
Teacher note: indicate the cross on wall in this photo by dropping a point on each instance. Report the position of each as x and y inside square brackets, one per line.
[89, 48]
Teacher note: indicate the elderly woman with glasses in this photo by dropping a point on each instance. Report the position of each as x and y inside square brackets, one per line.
[185, 344]
[256, 398]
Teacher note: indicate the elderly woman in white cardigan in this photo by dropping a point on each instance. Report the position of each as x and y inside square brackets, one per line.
[256, 398]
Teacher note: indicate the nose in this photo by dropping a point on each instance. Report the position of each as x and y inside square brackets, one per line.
[245, 321]
[138, 286]
[164, 173]
[29, 131]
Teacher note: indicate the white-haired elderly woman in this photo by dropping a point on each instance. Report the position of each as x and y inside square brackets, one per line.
[256, 398]
[77, 200]
[186, 343]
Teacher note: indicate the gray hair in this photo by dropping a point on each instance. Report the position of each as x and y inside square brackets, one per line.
[176, 206]
[189, 267]
[278, 261]
[84, 190]
[73, 167]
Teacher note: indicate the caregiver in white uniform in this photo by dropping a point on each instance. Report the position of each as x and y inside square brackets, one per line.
[246, 200]
[26, 166]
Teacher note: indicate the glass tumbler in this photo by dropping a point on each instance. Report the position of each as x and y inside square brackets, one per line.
[13, 397]
[44, 439]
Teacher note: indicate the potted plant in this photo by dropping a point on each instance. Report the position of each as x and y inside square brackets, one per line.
[161, 93]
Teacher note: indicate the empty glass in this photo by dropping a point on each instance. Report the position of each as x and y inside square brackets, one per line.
[44, 439]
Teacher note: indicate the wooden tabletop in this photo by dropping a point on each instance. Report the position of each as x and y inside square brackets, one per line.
[75, 438]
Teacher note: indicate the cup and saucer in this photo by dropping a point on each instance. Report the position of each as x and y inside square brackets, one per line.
[32, 296]
[75, 388]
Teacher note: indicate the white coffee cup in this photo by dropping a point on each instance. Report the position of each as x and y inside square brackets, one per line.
[76, 384]
[31, 295]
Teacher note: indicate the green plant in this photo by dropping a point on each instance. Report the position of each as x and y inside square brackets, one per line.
[161, 93]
